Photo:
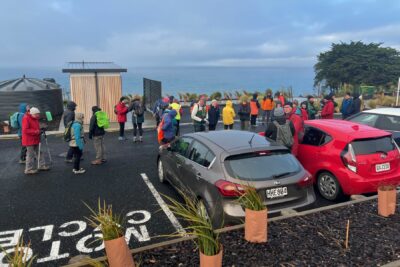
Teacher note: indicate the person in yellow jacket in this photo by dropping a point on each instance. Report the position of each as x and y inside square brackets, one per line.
[228, 115]
[176, 106]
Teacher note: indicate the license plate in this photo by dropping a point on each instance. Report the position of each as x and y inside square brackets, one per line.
[382, 167]
[277, 192]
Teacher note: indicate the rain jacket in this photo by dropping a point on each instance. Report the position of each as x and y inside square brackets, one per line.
[228, 113]
[69, 113]
[267, 103]
[135, 106]
[176, 107]
[328, 110]
[94, 129]
[77, 135]
[168, 126]
[346, 107]
[298, 124]
[30, 130]
[122, 109]
[254, 105]
[21, 114]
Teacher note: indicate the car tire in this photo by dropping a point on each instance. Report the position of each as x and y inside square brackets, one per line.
[329, 187]
[160, 171]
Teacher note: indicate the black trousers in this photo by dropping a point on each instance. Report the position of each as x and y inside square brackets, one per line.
[230, 127]
[211, 127]
[70, 153]
[177, 128]
[253, 119]
[121, 129]
[23, 152]
[77, 154]
[135, 128]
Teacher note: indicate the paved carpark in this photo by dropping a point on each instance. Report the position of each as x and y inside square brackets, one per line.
[48, 208]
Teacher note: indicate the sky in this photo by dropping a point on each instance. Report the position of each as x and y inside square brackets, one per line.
[169, 33]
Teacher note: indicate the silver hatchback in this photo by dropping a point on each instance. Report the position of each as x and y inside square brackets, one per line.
[213, 165]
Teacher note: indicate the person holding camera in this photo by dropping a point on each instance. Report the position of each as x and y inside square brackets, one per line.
[30, 139]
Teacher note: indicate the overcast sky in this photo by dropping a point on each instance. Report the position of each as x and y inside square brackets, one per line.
[188, 33]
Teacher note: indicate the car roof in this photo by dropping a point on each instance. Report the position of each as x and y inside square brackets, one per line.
[233, 140]
[352, 130]
[384, 111]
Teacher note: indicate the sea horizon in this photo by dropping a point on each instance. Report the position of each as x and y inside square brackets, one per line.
[190, 79]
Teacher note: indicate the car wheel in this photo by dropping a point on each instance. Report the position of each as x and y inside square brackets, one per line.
[329, 187]
[161, 174]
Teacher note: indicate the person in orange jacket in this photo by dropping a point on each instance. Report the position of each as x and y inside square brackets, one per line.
[254, 107]
[267, 106]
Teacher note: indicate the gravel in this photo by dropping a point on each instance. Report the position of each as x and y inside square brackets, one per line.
[312, 240]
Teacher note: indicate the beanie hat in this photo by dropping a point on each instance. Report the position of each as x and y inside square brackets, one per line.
[278, 112]
[95, 108]
[34, 111]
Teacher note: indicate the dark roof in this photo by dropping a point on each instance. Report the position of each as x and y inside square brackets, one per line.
[27, 84]
[232, 139]
[83, 66]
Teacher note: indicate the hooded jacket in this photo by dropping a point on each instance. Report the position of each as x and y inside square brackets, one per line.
[168, 126]
[69, 113]
[228, 113]
[30, 130]
[94, 129]
[328, 110]
[135, 106]
[254, 105]
[355, 104]
[244, 112]
[21, 114]
[122, 109]
[272, 132]
[213, 115]
[77, 134]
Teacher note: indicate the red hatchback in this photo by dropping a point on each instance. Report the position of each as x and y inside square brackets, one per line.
[347, 158]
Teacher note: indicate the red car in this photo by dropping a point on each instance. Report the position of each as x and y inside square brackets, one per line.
[347, 158]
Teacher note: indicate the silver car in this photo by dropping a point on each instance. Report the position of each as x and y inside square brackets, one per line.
[213, 165]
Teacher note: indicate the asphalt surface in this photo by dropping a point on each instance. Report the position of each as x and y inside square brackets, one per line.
[48, 208]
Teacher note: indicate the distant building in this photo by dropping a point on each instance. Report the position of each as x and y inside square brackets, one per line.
[95, 84]
[44, 94]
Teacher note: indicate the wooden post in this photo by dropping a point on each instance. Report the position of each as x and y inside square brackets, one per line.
[346, 245]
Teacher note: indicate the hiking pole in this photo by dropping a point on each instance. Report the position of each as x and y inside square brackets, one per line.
[47, 146]
[38, 156]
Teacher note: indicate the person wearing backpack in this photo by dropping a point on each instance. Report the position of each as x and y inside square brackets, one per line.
[167, 127]
[31, 139]
[254, 107]
[68, 118]
[138, 110]
[290, 112]
[16, 123]
[280, 130]
[122, 109]
[178, 108]
[77, 142]
[97, 133]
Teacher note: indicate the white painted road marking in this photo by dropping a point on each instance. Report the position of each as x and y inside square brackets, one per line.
[163, 205]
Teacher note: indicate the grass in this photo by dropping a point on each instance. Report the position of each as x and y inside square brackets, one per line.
[250, 199]
[382, 100]
[19, 257]
[108, 222]
[200, 224]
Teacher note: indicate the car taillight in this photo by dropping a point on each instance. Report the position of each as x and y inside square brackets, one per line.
[306, 181]
[229, 189]
[349, 158]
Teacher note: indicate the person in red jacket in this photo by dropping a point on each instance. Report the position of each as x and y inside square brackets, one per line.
[122, 109]
[304, 112]
[281, 98]
[329, 108]
[298, 124]
[31, 139]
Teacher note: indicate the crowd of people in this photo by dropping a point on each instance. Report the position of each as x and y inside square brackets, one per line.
[283, 120]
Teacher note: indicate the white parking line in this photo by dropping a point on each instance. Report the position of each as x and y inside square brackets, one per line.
[163, 205]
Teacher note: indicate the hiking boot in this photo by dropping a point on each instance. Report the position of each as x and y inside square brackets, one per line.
[31, 172]
[104, 160]
[21, 161]
[97, 162]
[121, 138]
[134, 139]
[68, 160]
[80, 171]
[44, 168]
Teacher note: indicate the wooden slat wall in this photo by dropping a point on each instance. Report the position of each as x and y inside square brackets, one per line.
[110, 91]
[83, 93]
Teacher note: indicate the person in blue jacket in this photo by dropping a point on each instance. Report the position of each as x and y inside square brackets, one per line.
[23, 108]
[345, 109]
[169, 127]
[77, 142]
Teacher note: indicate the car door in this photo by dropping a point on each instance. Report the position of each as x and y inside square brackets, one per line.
[309, 149]
[178, 155]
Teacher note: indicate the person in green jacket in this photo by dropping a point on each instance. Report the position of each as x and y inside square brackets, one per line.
[311, 109]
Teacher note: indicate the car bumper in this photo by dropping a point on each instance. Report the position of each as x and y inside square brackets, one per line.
[360, 185]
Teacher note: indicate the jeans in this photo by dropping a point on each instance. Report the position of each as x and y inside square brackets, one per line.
[244, 125]
[77, 157]
[135, 128]
[228, 127]
[121, 129]
[253, 119]
[32, 154]
[266, 114]
[98, 142]
[211, 127]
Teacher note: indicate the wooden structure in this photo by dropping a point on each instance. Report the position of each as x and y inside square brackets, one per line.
[95, 84]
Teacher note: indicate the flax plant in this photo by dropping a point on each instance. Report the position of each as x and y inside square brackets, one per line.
[250, 199]
[200, 225]
[108, 222]
[19, 257]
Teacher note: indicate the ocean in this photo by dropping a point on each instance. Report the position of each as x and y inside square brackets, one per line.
[205, 80]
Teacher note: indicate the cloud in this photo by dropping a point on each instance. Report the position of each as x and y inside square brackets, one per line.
[261, 62]
[64, 7]
[268, 48]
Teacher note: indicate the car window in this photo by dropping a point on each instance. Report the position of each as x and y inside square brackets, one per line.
[386, 122]
[252, 166]
[315, 137]
[365, 118]
[201, 154]
[181, 146]
[372, 146]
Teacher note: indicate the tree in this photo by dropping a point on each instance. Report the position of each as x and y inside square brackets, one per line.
[216, 95]
[357, 63]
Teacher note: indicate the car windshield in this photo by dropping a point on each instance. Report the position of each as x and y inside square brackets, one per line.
[262, 165]
[372, 146]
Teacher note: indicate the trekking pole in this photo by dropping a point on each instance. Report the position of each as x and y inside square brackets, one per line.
[38, 157]
[47, 146]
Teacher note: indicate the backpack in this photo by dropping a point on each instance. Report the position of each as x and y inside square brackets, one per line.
[102, 119]
[160, 132]
[139, 110]
[284, 134]
[67, 132]
[115, 110]
[14, 120]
